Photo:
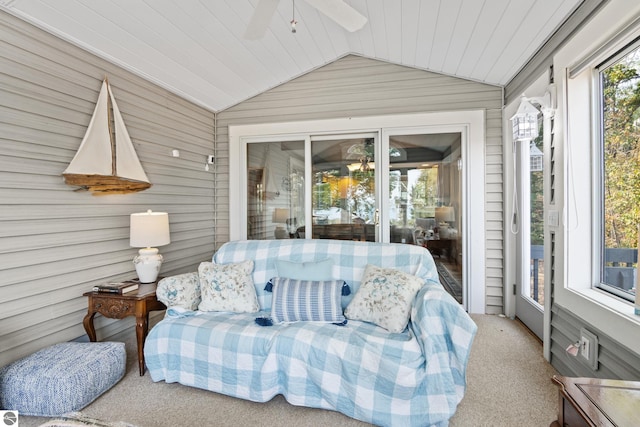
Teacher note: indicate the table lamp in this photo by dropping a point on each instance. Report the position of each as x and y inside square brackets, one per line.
[148, 229]
[444, 215]
[280, 216]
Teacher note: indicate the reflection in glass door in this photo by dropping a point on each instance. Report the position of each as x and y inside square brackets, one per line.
[425, 199]
[343, 193]
[420, 177]
[275, 190]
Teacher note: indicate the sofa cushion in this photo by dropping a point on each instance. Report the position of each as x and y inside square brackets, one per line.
[307, 300]
[227, 287]
[384, 298]
[310, 270]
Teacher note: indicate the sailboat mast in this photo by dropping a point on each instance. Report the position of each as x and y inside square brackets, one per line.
[112, 138]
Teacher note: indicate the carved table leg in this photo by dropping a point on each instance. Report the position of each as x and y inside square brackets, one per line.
[142, 325]
[88, 326]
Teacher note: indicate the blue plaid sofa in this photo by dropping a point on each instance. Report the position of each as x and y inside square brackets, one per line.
[415, 377]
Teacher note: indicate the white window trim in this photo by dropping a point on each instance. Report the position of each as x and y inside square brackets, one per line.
[578, 267]
[471, 122]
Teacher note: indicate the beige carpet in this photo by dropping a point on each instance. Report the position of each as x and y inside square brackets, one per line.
[509, 384]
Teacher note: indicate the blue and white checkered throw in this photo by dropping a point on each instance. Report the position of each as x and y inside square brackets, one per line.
[416, 378]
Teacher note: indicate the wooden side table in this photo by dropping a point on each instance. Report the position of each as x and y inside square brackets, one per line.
[138, 303]
[597, 402]
[436, 246]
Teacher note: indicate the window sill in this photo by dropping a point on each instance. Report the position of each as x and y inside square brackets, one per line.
[614, 305]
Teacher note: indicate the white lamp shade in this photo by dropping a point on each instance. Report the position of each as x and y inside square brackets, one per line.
[149, 229]
[280, 215]
[445, 214]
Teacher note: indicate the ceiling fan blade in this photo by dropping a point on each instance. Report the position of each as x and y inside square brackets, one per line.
[261, 19]
[342, 13]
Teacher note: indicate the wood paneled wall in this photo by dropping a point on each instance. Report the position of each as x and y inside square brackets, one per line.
[357, 87]
[55, 243]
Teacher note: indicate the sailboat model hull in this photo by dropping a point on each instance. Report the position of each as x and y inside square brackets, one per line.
[105, 184]
[106, 162]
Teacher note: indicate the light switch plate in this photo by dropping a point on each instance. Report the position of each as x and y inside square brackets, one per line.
[589, 348]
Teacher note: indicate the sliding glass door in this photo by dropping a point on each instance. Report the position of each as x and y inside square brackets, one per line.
[337, 200]
[329, 187]
[420, 177]
[424, 184]
[275, 190]
[344, 192]
[397, 178]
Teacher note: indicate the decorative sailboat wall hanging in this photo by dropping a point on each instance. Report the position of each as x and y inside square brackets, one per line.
[106, 162]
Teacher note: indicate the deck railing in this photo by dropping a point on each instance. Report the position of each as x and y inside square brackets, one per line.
[618, 271]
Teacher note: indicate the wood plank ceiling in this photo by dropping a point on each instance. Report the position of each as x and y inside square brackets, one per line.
[196, 48]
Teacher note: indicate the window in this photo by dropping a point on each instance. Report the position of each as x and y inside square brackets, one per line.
[619, 80]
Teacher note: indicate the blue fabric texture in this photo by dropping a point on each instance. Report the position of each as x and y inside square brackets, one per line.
[306, 300]
[62, 378]
[413, 378]
[308, 270]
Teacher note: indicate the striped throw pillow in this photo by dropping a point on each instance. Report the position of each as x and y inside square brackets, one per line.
[307, 300]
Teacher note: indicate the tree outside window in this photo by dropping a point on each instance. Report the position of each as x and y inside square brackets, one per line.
[620, 85]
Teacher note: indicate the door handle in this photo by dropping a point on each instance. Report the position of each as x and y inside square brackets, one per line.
[376, 218]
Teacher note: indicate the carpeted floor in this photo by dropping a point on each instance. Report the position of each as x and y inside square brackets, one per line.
[509, 384]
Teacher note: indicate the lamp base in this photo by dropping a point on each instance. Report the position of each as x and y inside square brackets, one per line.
[280, 233]
[148, 262]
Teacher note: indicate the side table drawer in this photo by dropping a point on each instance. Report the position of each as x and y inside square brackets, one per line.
[114, 308]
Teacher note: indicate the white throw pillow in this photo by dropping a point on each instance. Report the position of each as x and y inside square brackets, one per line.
[227, 287]
[384, 298]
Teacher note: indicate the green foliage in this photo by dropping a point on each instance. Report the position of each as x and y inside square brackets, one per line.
[536, 195]
[621, 152]
[424, 193]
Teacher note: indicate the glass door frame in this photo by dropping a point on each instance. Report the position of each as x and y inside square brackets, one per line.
[529, 311]
[470, 123]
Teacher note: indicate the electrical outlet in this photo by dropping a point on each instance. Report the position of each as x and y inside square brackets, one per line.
[589, 348]
[584, 347]
[211, 159]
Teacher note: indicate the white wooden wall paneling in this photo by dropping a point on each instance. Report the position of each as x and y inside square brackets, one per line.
[55, 243]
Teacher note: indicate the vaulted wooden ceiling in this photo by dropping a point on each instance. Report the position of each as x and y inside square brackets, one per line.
[196, 48]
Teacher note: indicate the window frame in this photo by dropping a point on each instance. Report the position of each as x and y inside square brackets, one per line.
[615, 56]
[575, 261]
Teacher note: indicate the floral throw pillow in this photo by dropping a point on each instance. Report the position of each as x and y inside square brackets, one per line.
[182, 290]
[384, 298]
[227, 287]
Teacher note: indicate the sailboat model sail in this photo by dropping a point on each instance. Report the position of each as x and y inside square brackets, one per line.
[106, 162]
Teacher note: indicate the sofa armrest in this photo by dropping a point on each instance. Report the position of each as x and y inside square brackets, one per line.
[182, 290]
[443, 329]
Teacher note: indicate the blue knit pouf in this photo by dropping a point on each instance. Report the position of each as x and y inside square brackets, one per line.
[62, 378]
